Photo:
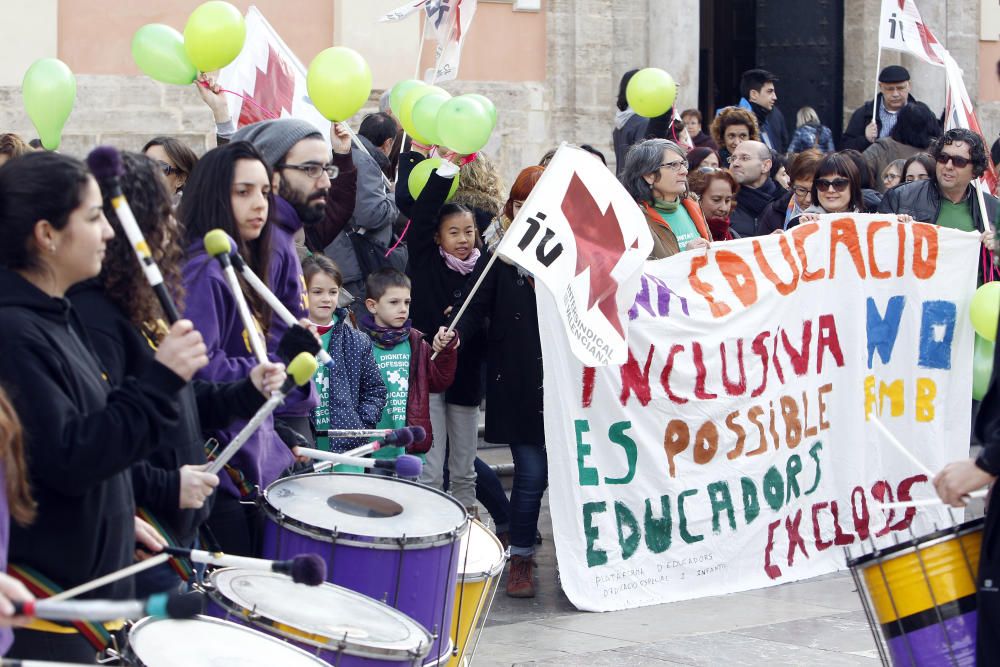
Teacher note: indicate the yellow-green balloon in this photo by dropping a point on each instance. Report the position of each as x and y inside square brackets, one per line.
[410, 100]
[487, 104]
[214, 35]
[984, 310]
[49, 91]
[651, 92]
[339, 82]
[982, 367]
[464, 125]
[425, 116]
[419, 175]
[399, 91]
[158, 50]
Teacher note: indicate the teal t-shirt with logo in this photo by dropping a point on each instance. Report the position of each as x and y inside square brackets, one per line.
[321, 413]
[394, 365]
[680, 222]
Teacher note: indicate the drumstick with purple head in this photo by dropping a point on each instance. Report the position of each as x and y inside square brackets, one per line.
[218, 244]
[400, 437]
[405, 466]
[300, 371]
[106, 164]
[308, 569]
[265, 292]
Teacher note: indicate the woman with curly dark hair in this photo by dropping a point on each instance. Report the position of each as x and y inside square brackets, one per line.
[731, 127]
[124, 321]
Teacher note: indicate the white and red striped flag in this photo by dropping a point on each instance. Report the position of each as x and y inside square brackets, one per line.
[447, 23]
[267, 80]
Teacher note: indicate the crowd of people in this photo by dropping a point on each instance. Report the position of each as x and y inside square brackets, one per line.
[113, 412]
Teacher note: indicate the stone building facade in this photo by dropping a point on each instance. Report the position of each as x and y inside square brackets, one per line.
[552, 71]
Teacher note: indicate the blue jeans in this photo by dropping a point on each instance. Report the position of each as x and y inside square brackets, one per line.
[489, 492]
[531, 474]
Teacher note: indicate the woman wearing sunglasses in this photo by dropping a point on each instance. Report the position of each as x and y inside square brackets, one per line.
[835, 189]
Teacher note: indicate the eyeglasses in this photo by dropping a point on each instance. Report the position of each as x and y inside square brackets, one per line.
[741, 158]
[838, 184]
[677, 165]
[313, 170]
[166, 168]
[800, 191]
[957, 160]
[708, 170]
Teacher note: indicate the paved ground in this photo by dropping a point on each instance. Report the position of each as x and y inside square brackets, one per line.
[815, 622]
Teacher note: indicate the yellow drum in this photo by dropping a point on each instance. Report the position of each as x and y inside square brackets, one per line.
[480, 563]
[920, 597]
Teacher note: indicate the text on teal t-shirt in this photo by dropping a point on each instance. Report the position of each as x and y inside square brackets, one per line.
[394, 366]
[681, 225]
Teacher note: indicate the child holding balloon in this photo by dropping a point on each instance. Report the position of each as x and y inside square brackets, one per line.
[445, 253]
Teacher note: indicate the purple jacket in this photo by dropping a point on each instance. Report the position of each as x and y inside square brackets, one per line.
[290, 287]
[212, 308]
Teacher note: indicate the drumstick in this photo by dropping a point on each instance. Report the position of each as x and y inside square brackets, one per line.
[265, 292]
[217, 245]
[308, 569]
[300, 371]
[929, 502]
[898, 445]
[106, 164]
[400, 436]
[363, 450]
[404, 466]
[111, 577]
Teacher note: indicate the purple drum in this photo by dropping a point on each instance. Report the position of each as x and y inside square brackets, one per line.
[338, 625]
[392, 540]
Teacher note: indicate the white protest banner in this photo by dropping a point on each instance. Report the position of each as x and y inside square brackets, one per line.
[903, 29]
[583, 238]
[269, 81]
[732, 450]
[448, 22]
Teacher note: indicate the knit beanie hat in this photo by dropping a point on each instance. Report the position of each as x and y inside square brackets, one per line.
[274, 138]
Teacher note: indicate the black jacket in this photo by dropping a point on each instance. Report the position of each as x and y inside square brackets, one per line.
[435, 287]
[513, 356]
[773, 217]
[81, 437]
[854, 134]
[751, 204]
[125, 352]
[922, 200]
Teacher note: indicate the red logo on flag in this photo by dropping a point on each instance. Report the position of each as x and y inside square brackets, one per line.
[273, 91]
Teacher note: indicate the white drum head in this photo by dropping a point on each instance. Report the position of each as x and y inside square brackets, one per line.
[368, 508]
[209, 642]
[365, 627]
[481, 556]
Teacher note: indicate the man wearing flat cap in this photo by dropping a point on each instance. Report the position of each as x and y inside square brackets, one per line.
[893, 95]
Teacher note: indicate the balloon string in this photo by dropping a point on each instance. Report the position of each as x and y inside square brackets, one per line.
[400, 239]
[246, 98]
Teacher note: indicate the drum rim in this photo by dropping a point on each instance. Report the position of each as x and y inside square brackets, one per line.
[350, 647]
[924, 542]
[477, 576]
[149, 620]
[282, 520]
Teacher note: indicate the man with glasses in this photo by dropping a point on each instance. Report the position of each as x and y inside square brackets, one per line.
[750, 165]
[893, 95]
[949, 199]
[307, 200]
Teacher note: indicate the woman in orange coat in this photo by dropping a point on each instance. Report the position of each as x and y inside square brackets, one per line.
[655, 174]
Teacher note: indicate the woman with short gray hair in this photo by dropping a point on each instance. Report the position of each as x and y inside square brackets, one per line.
[655, 174]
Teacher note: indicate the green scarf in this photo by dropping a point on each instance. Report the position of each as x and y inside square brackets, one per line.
[665, 206]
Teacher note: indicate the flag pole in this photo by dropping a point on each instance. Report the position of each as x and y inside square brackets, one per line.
[878, 67]
[472, 293]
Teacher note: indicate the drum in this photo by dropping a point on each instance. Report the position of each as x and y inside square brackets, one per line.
[208, 642]
[342, 627]
[389, 539]
[920, 596]
[480, 563]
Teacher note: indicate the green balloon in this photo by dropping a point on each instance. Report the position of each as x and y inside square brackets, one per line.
[984, 309]
[214, 35]
[487, 104]
[982, 367]
[422, 172]
[425, 113]
[339, 82]
[651, 92]
[464, 125]
[49, 91]
[399, 91]
[159, 52]
[410, 100]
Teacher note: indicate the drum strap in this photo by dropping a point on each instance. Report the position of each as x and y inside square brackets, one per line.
[180, 565]
[245, 488]
[42, 587]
